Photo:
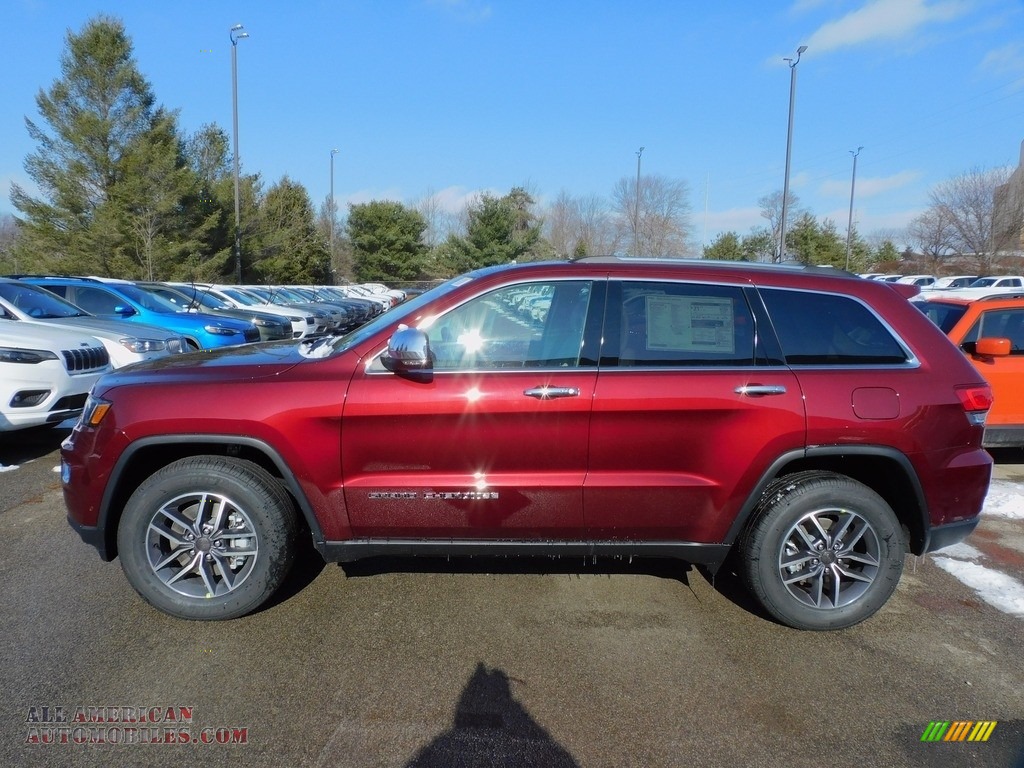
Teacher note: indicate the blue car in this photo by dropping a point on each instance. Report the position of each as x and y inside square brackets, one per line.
[122, 299]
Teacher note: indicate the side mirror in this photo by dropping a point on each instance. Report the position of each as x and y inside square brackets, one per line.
[992, 347]
[408, 351]
[124, 310]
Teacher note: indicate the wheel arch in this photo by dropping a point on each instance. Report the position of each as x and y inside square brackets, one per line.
[145, 456]
[888, 472]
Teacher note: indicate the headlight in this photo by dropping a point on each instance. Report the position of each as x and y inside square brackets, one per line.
[95, 410]
[142, 346]
[30, 356]
[220, 330]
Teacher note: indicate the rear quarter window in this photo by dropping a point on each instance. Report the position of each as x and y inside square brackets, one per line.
[829, 329]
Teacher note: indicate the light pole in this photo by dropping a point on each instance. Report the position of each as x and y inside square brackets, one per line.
[236, 34]
[333, 153]
[849, 223]
[789, 149]
[636, 207]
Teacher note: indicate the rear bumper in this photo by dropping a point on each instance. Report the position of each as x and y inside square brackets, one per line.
[1008, 436]
[950, 533]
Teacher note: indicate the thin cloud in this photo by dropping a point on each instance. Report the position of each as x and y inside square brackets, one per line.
[456, 199]
[464, 10]
[740, 220]
[869, 187]
[880, 20]
[1008, 60]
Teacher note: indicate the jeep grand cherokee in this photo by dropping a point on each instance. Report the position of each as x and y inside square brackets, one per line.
[813, 423]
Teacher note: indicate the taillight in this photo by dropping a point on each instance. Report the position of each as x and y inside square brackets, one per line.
[976, 400]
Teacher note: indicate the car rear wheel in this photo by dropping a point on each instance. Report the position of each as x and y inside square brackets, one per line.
[823, 551]
[207, 537]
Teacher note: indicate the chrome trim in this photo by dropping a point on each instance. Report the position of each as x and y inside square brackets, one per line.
[546, 392]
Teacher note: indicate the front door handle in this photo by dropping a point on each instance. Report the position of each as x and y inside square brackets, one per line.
[550, 393]
[760, 390]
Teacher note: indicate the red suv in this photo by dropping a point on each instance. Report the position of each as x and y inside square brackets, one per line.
[816, 424]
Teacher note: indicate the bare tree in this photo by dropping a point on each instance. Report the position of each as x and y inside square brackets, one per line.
[771, 211]
[658, 224]
[8, 238]
[968, 202]
[578, 226]
[440, 221]
[933, 235]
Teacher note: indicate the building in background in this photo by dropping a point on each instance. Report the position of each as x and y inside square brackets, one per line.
[1008, 211]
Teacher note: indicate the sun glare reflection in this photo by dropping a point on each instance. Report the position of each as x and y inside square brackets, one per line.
[472, 341]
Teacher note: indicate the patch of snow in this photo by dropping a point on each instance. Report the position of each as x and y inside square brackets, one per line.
[4, 468]
[961, 551]
[1004, 499]
[994, 587]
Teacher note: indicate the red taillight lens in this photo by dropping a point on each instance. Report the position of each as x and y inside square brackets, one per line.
[976, 400]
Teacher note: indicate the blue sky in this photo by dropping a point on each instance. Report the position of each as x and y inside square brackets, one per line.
[453, 97]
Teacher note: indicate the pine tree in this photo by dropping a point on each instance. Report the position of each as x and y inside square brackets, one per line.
[94, 113]
[288, 248]
[387, 241]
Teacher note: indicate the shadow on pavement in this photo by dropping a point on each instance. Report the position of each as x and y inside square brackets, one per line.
[491, 728]
[23, 445]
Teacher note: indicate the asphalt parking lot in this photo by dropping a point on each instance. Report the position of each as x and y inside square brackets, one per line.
[487, 662]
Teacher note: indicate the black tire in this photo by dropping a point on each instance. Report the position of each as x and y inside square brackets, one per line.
[207, 537]
[797, 563]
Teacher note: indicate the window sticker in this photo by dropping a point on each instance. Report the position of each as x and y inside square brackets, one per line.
[690, 324]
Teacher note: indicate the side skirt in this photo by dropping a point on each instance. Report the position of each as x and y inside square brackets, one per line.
[710, 555]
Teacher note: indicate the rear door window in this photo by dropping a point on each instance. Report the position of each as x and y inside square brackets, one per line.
[665, 324]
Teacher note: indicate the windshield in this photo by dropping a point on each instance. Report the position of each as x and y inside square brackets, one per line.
[148, 300]
[38, 303]
[237, 294]
[192, 296]
[984, 282]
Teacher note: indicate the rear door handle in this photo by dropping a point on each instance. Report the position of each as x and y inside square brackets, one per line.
[760, 390]
[550, 393]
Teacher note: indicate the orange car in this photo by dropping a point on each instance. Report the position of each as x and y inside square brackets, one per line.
[990, 331]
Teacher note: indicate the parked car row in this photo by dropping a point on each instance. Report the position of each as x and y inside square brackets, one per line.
[968, 286]
[58, 334]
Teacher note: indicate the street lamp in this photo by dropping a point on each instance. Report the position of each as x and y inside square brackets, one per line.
[789, 149]
[849, 223]
[636, 207]
[333, 153]
[236, 34]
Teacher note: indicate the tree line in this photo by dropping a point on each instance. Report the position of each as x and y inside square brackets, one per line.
[123, 191]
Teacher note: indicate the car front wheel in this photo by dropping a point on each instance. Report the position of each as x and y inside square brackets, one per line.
[823, 551]
[207, 537]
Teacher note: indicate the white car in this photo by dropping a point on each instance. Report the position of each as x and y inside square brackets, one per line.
[398, 295]
[951, 281]
[46, 373]
[989, 286]
[126, 343]
[919, 280]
